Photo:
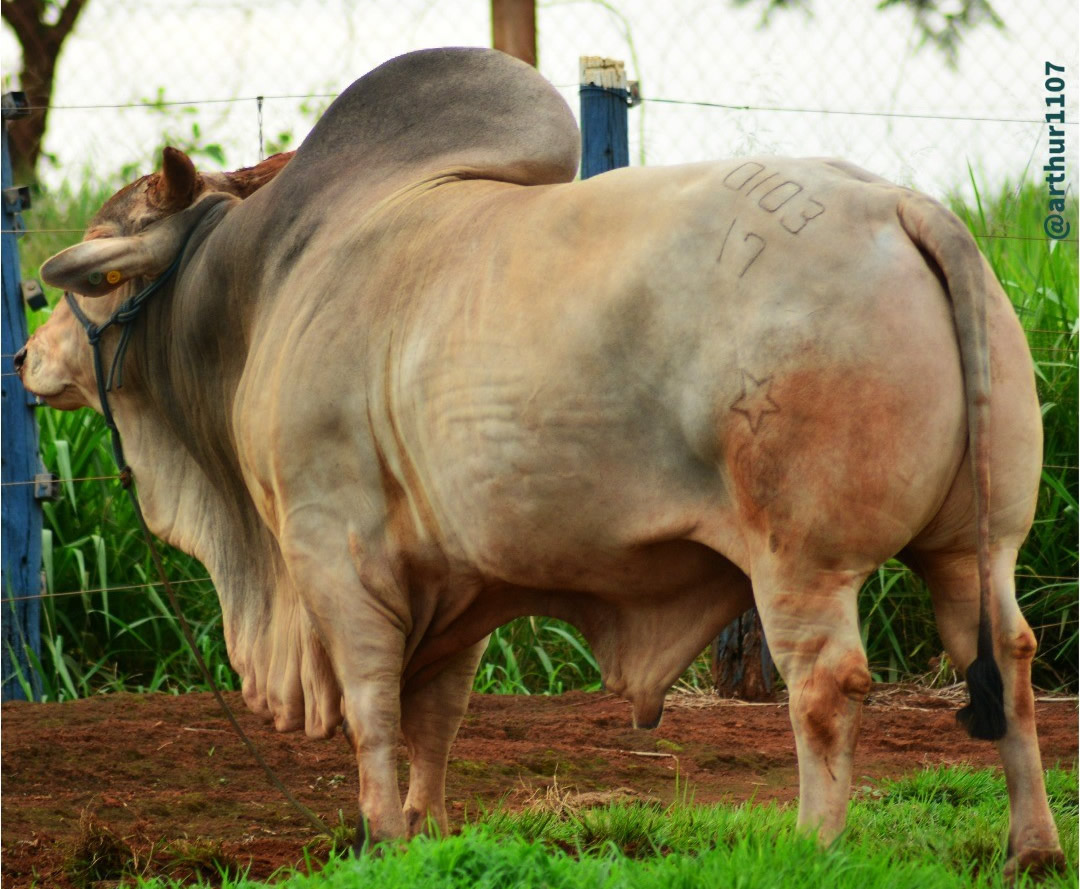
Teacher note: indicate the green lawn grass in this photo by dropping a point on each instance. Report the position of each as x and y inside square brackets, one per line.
[936, 828]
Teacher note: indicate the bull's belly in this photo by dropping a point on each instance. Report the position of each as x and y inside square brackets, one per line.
[577, 527]
[837, 466]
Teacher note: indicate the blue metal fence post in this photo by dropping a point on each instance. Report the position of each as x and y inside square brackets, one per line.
[605, 98]
[20, 567]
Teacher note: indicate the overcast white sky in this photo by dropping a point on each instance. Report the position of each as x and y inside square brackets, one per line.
[845, 57]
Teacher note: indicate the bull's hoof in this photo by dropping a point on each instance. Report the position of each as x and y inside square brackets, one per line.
[1036, 863]
[417, 822]
[647, 715]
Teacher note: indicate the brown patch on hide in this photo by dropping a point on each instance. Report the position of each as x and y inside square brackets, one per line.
[834, 447]
[1020, 650]
[825, 701]
[817, 709]
[853, 676]
[1022, 646]
[269, 506]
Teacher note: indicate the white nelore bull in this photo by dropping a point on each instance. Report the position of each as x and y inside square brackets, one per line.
[417, 382]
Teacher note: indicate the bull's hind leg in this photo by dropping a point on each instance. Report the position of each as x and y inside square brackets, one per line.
[430, 717]
[811, 624]
[954, 589]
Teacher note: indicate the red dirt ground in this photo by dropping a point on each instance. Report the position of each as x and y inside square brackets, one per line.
[162, 777]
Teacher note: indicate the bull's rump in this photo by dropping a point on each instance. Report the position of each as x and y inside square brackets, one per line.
[660, 355]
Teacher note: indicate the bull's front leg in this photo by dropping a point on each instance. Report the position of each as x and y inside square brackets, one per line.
[363, 620]
[431, 714]
[372, 711]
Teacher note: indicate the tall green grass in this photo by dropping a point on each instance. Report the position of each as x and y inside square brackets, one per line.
[128, 638]
[105, 622]
[1040, 278]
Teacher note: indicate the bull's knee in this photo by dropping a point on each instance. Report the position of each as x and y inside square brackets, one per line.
[840, 676]
[1015, 652]
[1021, 646]
[827, 702]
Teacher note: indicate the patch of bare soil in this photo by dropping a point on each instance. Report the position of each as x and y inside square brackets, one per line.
[162, 781]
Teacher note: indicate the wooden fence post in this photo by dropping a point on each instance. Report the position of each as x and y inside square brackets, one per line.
[20, 572]
[513, 28]
[605, 98]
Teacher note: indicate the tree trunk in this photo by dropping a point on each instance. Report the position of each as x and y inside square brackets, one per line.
[513, 28]
[41, 44]
[742, 666]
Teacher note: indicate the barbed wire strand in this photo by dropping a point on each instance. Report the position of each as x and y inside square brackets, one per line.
[984, 235]
[850, 112]
[726, 106]
[157, 105]
[1063, 332]
[111, 478]
[60, 479]
[888, 569]
[113, 589]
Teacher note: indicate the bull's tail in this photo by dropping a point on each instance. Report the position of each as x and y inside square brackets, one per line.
[944, 239]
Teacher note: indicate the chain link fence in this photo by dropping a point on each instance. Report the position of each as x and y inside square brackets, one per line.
[232, 82]
[844, 79]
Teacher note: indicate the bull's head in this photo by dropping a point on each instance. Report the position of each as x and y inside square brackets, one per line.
[132, 239]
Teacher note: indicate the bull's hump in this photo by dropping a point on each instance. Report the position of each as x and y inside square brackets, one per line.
[475, 110]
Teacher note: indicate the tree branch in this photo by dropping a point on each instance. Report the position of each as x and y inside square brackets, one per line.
[67, 18]
[41, 44]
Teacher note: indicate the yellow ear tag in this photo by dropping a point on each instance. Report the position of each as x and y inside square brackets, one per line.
[113, 277]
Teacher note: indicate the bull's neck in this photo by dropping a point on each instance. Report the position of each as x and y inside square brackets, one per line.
[174, 413]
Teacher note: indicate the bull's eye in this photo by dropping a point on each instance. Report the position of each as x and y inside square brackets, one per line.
[94, 278]
[113, 277]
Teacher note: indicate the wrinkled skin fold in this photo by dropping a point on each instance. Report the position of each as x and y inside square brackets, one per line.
[414, 382]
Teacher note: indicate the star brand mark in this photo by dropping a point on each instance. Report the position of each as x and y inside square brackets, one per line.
[754, 402]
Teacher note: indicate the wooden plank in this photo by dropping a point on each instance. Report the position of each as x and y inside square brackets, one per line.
[598, 71]
[20, 571]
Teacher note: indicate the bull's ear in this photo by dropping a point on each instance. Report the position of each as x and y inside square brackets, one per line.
[177, 182]
[99, 266]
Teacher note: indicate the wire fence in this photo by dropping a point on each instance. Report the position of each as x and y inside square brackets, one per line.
[238, 79]
[250, 76]
[115, 477]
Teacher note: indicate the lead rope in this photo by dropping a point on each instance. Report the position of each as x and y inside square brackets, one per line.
[125, 315]
[309, 815]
